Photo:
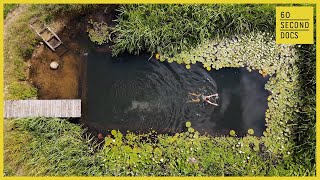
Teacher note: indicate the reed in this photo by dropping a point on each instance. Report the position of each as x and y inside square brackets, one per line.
[170, 29]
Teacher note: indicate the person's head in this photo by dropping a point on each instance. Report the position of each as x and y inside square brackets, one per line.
[207, 98]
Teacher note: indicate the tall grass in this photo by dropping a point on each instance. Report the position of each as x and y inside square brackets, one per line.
[170, 29]
[49, 147]
[305, 133]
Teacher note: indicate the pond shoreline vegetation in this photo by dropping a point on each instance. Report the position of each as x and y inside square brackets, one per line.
[233, 36]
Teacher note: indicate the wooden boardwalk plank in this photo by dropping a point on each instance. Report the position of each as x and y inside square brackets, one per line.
[43, 108]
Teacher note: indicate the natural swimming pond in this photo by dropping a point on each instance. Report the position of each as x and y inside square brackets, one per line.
[136, 94]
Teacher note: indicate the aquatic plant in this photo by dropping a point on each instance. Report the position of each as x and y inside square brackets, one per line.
[232, 133]
[250, 131]
[99, 32]
[188, 124]
[45, 143]
[258, 51]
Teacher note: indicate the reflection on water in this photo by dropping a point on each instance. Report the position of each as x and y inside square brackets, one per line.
[132, 93]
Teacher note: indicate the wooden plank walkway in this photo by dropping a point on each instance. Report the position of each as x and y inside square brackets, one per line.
[46, 33]
[43, 108]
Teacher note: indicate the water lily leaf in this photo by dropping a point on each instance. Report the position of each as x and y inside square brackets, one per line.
[232, 133]
[113, 132]
[188, 124]
[250, 131]
[190, 129]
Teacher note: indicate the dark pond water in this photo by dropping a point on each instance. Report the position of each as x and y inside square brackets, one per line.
[132, 93]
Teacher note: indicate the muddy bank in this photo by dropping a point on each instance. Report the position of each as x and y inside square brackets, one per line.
[67, 81]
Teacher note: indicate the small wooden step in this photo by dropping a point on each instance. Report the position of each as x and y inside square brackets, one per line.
[46, 33]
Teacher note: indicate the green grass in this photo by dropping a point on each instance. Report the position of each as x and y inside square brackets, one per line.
[8, 8]
[305, 132]
[170, 29]
[19, 43]
[49, 147]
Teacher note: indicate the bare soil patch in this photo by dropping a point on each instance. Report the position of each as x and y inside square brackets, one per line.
[62, 83]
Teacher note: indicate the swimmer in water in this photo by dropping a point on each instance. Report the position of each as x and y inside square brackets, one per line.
[201, 98]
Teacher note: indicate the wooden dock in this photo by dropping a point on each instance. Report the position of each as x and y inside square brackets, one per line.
[42, 108]
[47, 35]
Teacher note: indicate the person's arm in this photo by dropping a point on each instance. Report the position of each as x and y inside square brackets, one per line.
[214, 104]
[194, 94]
[213, 95]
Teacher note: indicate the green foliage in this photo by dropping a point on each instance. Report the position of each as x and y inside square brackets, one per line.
[184, 154]
[113, 132]
[19, 43]
[50, 147]
[305, 128]
[21, 90]
[188, 124]
[56, 9]
[55, 147]
[99, 33]
[170, 29]
[8, 8]
[258, 51]
[43, 146]
[232, 133]
[250, 131]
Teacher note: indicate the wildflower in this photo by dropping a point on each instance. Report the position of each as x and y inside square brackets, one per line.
[161, 160]
[157, 56]
[192, 160]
